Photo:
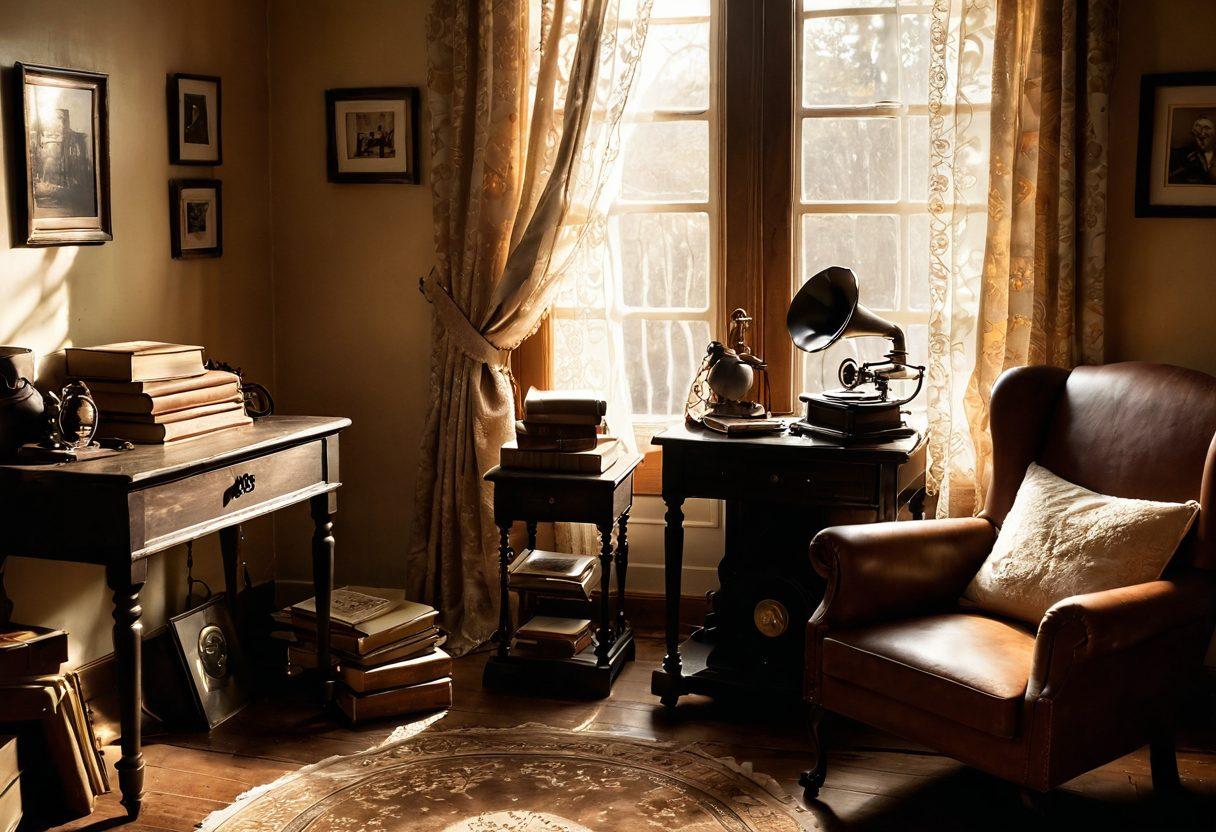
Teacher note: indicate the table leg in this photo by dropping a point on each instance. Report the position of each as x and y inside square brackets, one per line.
[604, 637]
[323, 507]
[6, 604]
[125, 580]
[917, 505]
[673, 565]
[230, 553]
[622, 565]
[504, 591]
[531, 524]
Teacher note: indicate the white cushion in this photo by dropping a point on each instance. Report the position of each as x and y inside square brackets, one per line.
[1060, 540]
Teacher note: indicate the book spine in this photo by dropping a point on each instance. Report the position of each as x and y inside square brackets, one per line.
[551, 461]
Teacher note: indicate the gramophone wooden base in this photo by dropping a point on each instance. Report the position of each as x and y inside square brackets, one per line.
[851, 421]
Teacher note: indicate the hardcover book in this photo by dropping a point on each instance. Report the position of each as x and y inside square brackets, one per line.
[425, 697]
[567, 407]
[415, 671]
[596, 461]
[135, 361]
[153, 434]
[348, 606]
[143, 404]
[165, 387]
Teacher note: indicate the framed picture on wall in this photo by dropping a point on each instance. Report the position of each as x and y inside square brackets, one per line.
[195, 126]
[65, 150]
[1176, 157]
[373, 134]
[196, 218]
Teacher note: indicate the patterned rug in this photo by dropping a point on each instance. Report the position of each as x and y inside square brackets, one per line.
[527, 779]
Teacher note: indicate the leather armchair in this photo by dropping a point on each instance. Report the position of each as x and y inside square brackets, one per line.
[1104, 673]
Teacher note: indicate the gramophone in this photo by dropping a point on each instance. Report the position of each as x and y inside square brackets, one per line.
[825, 310]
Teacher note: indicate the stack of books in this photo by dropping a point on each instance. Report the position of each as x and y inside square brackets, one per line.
[552, 637]
[554, 573]
[386, 651]
[154, 393]
[561, 431]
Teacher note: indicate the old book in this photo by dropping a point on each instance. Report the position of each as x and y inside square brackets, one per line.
[557, 431]
[415, 671]
[741, 426]
[429, 696]
[406, 618]
[10, 785]
[554, 572]
[154, 434]
[31, 651]
[567, 407]
[232, 404]
[303, 654]
[534, 437]
[347, 606]
[544, 649]
[133, 405]
[596, 461]
[135, 361]
[165, 387]
[553, 637]
[61, 770]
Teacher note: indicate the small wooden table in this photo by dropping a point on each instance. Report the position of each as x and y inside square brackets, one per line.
[119, 510]
[547, 497]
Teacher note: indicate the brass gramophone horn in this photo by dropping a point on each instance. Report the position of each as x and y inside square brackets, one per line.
[826, 310]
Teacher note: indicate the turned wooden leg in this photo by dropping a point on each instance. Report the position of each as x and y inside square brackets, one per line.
[622, 565]
[1163, 761]
[673, 565]
[323, 507]
[813, 777]
[125, 580]
[505, 556]
[917, 505]
[6, 604]
[605, 638]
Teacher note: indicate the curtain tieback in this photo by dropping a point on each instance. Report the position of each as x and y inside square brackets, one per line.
[462, 332]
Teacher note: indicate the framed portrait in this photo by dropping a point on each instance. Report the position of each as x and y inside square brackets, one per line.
[207, 645]
[195, 126]
[65, 148]
[373, 134]
[196, 218]
[1176, 157]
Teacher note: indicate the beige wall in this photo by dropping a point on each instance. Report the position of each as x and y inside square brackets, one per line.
[131, 288]
[352, 331]
[1161, 289]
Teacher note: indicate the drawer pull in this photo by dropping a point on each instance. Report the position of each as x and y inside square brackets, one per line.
[245, 483]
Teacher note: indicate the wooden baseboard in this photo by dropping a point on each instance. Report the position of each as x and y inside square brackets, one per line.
[647, 613]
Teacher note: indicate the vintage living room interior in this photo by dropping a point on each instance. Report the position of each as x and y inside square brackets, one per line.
[579, 415]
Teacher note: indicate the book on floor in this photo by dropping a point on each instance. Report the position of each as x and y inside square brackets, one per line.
[566, 407]
[405, 618]
[131, 405]
[134, 361]
[31, 651]
[154, 434]
[603, 456]
[348, 606]
[414, 671]
[429, 696]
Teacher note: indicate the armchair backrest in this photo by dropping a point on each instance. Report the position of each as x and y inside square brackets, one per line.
[1134, 429]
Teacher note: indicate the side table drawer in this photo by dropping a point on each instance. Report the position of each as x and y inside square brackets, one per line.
[180, 505]
[825, 482]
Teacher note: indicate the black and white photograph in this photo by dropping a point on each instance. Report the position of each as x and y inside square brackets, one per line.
[64, 127]
[196, 218]
[373, 134]
[195, 128]
[1176, 168]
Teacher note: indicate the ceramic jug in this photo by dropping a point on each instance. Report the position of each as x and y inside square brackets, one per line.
[21, 405]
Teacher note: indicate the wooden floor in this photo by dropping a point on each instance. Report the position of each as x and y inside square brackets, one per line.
[875, 782]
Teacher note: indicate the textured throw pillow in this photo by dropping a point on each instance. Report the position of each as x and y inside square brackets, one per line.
[1060, 540]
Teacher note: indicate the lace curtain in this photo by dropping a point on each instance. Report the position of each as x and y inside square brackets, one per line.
[525, 98]
[1022, 281]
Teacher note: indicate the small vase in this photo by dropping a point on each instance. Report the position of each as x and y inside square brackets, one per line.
[21, 405]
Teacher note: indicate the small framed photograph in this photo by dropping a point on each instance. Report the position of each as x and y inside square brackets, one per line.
[195, 126]
[207, 644]
[1176, 157]
[373, 134]
[196, 218]
[65, 136]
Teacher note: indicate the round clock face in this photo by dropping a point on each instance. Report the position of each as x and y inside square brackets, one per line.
[213, 651]
[771, 617]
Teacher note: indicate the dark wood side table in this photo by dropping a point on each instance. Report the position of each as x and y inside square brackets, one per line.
[779, 491]
[120, 510]
[546, 497]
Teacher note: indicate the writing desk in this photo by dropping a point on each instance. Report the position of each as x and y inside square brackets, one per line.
[117, 511]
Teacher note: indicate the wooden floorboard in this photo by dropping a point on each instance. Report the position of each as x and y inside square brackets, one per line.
[875, 781]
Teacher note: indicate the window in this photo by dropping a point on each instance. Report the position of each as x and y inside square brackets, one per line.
[662, 230]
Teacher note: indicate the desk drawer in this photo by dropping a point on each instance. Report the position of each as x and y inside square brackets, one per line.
[824, 482]
[213, 495]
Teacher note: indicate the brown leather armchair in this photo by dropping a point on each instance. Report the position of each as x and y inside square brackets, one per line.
[1103, 675]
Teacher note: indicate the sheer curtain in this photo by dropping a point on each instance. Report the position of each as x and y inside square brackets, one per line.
[525, 98]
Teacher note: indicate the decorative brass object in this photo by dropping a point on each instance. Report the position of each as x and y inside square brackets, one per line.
[771, 617]
[213, 651]
[726, 375]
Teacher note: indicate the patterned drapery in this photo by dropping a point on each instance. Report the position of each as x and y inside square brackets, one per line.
[1032, 291]
[525, 100]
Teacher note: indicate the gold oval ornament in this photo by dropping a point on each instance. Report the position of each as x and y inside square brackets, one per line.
[771, 618]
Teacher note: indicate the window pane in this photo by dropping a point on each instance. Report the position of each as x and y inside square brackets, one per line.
[674, 70]
[679, 8]
[580, 354]
[662, 357]
[914, 58]
[850, 60]
[828, 5]
[917, 154]
[867, 244]
[918, 262]
[850, 159]
[666, 162]
[664, 259]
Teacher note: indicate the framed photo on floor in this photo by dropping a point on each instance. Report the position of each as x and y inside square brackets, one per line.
[65, 150]
[373, 134]
[195, 125]
[1176, 157]
[210, 650]
[196, 218]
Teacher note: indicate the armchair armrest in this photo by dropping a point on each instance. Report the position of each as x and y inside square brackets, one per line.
[1098, 624]
[886, 570]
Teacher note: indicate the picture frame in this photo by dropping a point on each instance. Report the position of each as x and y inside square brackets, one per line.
[373, 135]
[196, 218]
[196, 126]
[1176, 153]
[64, 146]
[208, 646]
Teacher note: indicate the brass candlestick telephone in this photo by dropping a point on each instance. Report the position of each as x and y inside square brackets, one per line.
[825, 310]
[726, 375]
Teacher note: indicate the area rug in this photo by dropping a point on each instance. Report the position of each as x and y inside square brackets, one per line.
[527, 779]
